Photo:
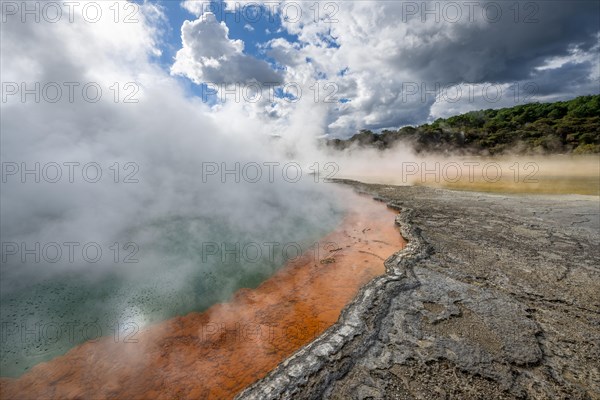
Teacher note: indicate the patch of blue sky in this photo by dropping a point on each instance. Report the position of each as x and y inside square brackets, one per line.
[343, 72]
[289, 94]
[328, 40]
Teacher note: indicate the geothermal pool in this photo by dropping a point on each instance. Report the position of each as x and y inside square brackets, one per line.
[214, 350]
[175, 264]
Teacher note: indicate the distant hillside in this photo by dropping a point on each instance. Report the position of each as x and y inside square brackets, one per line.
[563, 127]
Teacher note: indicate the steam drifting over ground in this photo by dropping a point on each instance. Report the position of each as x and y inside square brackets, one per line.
[123, 184]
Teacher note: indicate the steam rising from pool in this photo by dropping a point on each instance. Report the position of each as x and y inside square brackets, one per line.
[163, 216]
[185, 262]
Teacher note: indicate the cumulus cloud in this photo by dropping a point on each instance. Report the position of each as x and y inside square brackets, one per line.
[209, 55]
[403, 61]
[386, 48]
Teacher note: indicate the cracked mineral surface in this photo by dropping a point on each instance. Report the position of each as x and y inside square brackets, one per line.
[495, 297]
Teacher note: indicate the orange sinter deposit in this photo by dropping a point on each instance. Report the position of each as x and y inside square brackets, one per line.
[217, 353]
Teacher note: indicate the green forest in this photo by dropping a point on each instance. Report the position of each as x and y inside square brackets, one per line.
[542, 128]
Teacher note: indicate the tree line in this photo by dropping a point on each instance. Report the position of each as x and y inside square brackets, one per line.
[538, 128]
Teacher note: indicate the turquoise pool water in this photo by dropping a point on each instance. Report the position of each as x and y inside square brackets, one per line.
[185, 262]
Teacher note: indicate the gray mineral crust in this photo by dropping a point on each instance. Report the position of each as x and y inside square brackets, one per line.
[494, 297]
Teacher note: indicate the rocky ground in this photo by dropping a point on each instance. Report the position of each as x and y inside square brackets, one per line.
[495, 297]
